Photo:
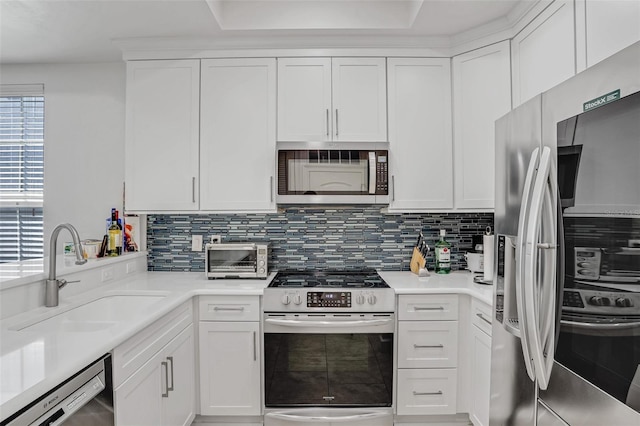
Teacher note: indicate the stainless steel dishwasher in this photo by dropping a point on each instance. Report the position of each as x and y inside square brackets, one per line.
[86, 398]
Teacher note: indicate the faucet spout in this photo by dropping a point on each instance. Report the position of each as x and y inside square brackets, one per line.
[53, 285]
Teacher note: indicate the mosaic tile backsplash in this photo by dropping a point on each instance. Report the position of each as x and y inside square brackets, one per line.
[315, 238]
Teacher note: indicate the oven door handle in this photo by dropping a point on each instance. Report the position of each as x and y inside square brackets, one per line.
[339, 323]
[326, 419]
[600, 326]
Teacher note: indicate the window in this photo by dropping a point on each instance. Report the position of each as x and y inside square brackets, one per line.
[21, 172]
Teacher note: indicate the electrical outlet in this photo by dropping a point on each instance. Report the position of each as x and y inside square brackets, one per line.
[107, 274]
[131, 267]
[196, 243]
[215, 239]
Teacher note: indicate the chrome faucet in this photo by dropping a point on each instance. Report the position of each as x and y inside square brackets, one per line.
[52, 284]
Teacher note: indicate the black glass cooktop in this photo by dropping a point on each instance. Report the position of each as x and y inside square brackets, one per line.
[332, 279]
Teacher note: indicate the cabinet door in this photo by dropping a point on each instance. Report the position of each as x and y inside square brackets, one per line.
[162, 135]
[138, 401]
[427, 391]
[482, 94]
[427, 344]
[179, 407]
[238, 135]
[611, 25]
[230, 368]
[543, 54]
[420, 139]
[359, 99]
[304, 99]
[480, 377]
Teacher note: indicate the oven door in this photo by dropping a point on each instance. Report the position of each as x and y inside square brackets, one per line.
[330, 361]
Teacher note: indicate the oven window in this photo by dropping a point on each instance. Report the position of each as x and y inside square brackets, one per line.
[609, 362]
[232, 259]
[328, 369]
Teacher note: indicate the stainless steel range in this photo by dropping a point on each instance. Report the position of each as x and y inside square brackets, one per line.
[328, 348]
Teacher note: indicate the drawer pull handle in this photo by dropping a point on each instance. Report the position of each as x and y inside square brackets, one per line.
[479, 315]
[439, 308]
[218, 308]
[165, 366]
[427, 346]
[170, 388]
[426, 393]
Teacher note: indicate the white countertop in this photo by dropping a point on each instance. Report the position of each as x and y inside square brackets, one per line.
[33, 362]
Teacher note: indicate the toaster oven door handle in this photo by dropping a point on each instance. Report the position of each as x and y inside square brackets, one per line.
[339, 323]
[284, 416]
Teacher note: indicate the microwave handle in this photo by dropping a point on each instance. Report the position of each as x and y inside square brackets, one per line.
[372, 172]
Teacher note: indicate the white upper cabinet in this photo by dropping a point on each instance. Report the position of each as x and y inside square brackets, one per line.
[543, 53]
[481, 95]
[304, 99]
[238, 135]
[359, 99]
[611, 25]
[162, 134]
[421, 157]
[339, 99]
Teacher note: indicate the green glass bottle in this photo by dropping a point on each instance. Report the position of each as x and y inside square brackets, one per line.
[115, 235]
[443, 255]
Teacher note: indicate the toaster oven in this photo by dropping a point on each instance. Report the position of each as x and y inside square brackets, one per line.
[237, 260]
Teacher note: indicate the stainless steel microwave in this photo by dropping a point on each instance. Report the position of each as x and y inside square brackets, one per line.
[237, 260]
[333, 173]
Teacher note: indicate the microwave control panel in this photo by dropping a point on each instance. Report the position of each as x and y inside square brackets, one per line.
[382, 173]
[328, 299]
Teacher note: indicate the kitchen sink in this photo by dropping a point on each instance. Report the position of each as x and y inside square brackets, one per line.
[94, 315]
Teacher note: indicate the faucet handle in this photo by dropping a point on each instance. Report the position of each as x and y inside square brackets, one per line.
[62, 282]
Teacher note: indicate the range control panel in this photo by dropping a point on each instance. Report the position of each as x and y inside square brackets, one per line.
[328, 299]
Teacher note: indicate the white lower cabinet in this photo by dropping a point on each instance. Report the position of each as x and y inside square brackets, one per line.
[480, 353]
[162, 390]
[230, 379]
[427, 355]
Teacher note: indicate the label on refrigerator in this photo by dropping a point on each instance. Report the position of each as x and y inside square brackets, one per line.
[601, 100]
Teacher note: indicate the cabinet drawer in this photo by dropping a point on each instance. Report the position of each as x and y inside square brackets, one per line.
[424, 392]
[481, 316]
[136, 351]
[427, 344]
[428, 307]
[229, 308]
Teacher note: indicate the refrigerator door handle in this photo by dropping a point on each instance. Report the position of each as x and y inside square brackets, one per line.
[539, 277]
[520, 265]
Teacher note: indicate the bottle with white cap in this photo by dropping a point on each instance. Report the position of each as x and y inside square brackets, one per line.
[443, 255]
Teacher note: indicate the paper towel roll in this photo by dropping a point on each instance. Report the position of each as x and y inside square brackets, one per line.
[487, 241]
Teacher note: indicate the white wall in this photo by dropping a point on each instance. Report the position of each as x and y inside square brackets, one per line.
[83, 139]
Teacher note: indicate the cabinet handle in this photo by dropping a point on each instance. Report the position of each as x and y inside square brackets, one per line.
[166, 377]
[479, 315]
[427, 346]
[393, 188]
[219, 308]
[419, 308]
[336, 121]
[271, 188]
[326, 121]
[427, 393]
[193, 189]
[170, 388]
[255, 356]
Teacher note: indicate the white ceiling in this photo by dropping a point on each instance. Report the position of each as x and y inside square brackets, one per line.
[50, 31]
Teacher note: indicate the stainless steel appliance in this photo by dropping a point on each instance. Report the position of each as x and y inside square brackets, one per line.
[84, 399]
[333, 173]
[328, 339]
[237, 260]
[566, 340]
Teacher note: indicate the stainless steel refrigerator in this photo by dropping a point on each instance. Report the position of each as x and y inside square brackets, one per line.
[566, 329]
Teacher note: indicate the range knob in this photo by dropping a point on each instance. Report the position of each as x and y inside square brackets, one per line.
[297, 299]
[599, 301]
[372, 299]
[360, 299]
[624, 302]
[286, 299]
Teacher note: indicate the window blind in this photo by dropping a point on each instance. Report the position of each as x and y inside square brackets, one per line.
[21, 174]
